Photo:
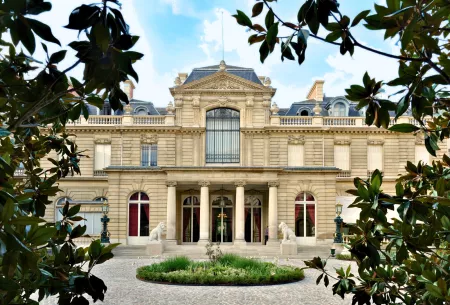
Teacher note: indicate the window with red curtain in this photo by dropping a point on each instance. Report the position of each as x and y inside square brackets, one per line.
[133, 219]
[310, 220]
[187, 232]
[145, 220]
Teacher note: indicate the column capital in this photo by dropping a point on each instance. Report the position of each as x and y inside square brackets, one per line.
[273, 183]
[204, 183]
[171, 183]
[240, 183]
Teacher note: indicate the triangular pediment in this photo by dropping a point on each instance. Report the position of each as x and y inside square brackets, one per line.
[223, 81]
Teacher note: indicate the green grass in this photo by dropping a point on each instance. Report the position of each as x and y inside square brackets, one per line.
[344, 257]
[229, 270]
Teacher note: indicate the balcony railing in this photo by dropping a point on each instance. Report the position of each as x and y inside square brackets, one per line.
[100, 173]
[344, 174]
[149, 120]
[295, 120]
[333, 121]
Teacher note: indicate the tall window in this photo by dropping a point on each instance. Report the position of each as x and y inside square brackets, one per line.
[191, 219]
[339, 109]
[374, 158]
[253, 215]
[305, 215]
[222, 136]
[102, 158]
[422, 154]
[92, 220]
[138, 215]
[149, 155]
[342, 157]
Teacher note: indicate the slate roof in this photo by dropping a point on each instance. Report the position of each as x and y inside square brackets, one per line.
[246, 73]
[137, 106]
[326, 104]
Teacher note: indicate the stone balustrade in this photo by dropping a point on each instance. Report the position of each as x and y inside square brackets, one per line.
[147, 120]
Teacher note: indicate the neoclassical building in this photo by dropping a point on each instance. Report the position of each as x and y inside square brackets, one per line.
[222, 162]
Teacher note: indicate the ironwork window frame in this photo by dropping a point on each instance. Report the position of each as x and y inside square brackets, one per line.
[149, 155]
[223, 136]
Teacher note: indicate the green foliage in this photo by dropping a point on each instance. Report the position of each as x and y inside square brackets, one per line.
[344, 257]
[230, 269]
[413, 267]
[213, 252]
[38, 256]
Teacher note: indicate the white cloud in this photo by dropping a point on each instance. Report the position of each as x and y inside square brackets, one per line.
[152, 85]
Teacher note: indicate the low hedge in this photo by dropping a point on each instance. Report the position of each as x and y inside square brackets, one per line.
[229, 270]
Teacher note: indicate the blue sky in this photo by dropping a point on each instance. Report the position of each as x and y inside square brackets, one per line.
[178, 35]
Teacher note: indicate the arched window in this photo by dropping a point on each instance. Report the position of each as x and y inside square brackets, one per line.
[253, 217]
[141, 110]
[339, 109]
[304, 113]
[191, 219]
[222, 136]
[305, 215]
[138, 215]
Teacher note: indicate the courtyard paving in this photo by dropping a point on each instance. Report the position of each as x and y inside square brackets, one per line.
[119, 275]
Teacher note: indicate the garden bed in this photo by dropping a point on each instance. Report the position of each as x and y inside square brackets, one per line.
[228, 270]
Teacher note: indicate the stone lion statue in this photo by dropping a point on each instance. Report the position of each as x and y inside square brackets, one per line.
[155, 234]
[288, 234]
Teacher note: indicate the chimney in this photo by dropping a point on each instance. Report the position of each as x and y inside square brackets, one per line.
[128, 88]
[182, 77]
[316, 91]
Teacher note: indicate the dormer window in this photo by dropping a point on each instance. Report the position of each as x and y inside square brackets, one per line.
[303, 112]
[339, 109]
[141, 110]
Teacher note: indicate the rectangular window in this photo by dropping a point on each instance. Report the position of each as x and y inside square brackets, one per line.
[342, 157]
[92, 220]
[296, 155]
[422, 154]
[102, 158]
[375, 157]
[149, 155]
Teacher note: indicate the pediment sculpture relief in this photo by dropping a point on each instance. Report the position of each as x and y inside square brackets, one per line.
[149, 138]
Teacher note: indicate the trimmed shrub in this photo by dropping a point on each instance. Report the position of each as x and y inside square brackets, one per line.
[229, 269]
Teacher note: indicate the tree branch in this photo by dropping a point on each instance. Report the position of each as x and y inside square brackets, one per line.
[355, 42]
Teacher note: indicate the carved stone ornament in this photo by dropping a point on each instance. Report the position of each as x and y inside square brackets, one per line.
[252, 200]
[250, 101]
[420, 140]
[155, 234]
[240, 183]
[288, 234]
[204, 183]
[222, 65]
[178, 101]
[317, 109]
[296, 140]
[274, 109]
[342, 141]
[196, 101]
[375, 142]
[223, 84]
[171, 183]
[267, 82]
[170, 109]
[273, 183]
[223, 101]
[177, 81]
[127, 109]
[149, 138]
[102, 141]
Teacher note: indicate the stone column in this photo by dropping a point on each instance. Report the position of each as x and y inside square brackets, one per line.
[171, 211]
[240, 213]
[204, 212]
[273, 213]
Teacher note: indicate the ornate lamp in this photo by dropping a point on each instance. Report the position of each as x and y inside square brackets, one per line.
[105, 233]
[338, 220]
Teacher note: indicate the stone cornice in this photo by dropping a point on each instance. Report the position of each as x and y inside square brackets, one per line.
[171, 183]
[342, 141]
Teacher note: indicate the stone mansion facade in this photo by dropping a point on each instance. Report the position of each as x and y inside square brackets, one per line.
[222, 162]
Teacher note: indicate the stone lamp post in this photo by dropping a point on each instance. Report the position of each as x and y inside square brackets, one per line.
[105, 220]
[338, 220]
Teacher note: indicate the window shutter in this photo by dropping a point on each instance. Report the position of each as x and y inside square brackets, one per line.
[296, 155]
[422, 154]
[342, 157]
[375, 157]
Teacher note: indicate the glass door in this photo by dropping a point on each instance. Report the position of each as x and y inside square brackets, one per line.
[253, 219]
[222, 220]
[191, 219]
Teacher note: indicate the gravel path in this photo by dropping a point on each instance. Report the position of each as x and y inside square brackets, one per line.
[123, 288]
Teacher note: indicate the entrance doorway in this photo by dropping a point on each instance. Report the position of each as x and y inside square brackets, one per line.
[138, 219]
[222, 220]
[253, 217]
[305, 219]
[191, 219]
